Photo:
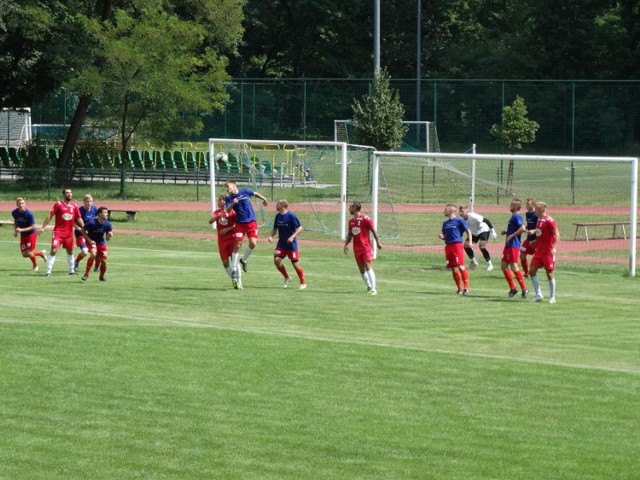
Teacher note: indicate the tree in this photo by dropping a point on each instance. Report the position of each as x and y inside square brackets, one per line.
[514, 130]
[154, 64]
[378, 115]
[35, 40]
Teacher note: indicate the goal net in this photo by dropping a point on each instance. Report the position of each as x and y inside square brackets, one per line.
[419, 137]
[593, 199]
[319, 180]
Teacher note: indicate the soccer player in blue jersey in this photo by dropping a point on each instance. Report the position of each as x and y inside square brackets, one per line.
[97, 232]
[239, 200]
[511, 251]
[452, 231]
[24, 223]
[529, 245]
[288, 227]
[89, 212]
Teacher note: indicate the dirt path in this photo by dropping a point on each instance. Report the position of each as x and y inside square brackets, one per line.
[494, 248]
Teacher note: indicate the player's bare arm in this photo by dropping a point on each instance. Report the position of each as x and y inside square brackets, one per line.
[45, 223]
[347, 242]
[295, 234]
[258, 195]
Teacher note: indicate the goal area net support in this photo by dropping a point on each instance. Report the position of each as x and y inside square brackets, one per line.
[318, 179]
[592, 199]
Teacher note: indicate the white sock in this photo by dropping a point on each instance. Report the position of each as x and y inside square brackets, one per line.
[71, 262]
[50, 262]
[247, 251]
[536, 285]
[234, 260]
[365, 277]
[229, 271]
[372, 278]
[552, 287]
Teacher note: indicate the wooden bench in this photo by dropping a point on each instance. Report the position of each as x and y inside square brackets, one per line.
[585, 226]
[10, 222]
[131, 214]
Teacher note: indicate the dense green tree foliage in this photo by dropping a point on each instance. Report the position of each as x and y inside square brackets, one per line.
[378, 115]
[41, 46]
[559, 39]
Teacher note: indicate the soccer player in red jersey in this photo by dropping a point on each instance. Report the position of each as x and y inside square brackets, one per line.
[547, 236]
[511, 251]
[360, 227]
[225, 223]
[453, 229]
[67, 214]
[24, 224]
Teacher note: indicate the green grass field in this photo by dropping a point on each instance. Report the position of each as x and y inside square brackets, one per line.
[165, 372]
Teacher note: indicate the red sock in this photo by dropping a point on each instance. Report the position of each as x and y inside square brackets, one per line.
[520, 279]
[281, 268]
[509, 276]
[33, 260]
[39, 254]
[465, 278]
[103, 269]
[456, 278]
[300, 273]
[89, 265]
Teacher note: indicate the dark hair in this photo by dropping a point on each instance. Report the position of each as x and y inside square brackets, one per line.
[357, 206]
[102, 209]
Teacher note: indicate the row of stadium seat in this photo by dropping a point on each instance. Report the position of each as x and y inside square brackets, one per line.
[147, 160]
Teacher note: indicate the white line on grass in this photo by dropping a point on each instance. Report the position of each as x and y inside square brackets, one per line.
[155, 321]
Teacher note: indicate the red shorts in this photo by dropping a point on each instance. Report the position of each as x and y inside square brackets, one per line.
[62, 242]
[510, 255]
[293, 255]
[363, 256]
[454, 253]
[101, 250]
[548, 261]
[29, 243]
[226, 245]
[527, 248]
[249, 229]
[81, 242]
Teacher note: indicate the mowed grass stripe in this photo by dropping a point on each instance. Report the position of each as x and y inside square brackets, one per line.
[168, 373]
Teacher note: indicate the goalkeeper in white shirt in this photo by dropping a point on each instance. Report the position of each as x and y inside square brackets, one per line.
[481, 228]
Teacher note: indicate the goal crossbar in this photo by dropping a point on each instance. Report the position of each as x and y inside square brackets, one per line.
[340, 147]
[436, 158]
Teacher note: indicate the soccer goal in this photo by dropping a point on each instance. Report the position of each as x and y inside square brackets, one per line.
[319, 179]
[15, 127]
[420, 136]
[593, 199]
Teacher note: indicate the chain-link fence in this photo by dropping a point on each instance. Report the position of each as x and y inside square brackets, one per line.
[575, 117]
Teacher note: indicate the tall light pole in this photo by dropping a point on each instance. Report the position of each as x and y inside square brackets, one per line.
[418, 57]
[376, 37]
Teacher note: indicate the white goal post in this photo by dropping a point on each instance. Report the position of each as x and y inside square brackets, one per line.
[420, 135]
[600, 192]
[286, 164]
